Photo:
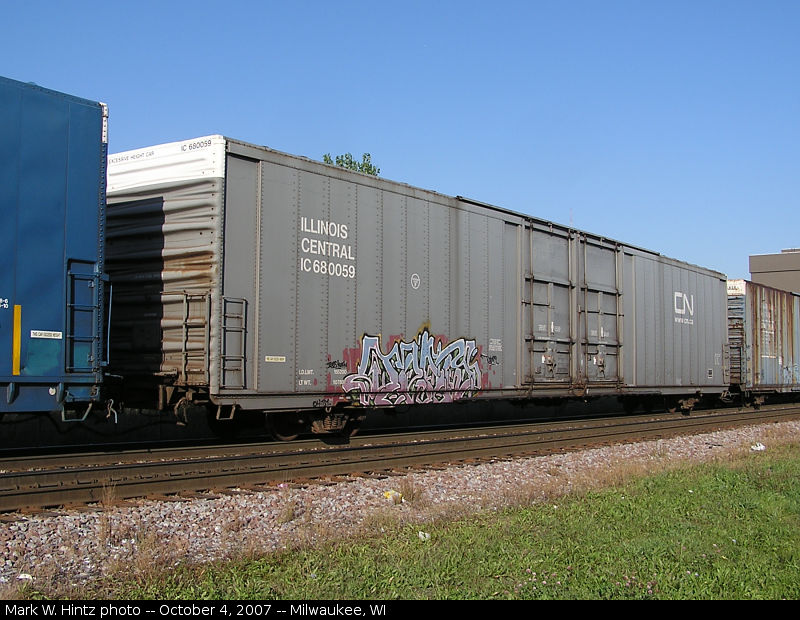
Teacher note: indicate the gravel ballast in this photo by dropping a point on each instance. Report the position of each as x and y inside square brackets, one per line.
[71, 547]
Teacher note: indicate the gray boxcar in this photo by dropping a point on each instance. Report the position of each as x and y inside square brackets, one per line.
[264, 281]
[764, 335]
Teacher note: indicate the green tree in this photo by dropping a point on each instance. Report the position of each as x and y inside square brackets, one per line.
[347, 161]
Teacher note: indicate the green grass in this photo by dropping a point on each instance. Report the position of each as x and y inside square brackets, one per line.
[727, 530]
[715, 531]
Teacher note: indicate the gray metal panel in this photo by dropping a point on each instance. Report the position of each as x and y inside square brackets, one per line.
[275, 300]
[368, 304]
[678, 325]
[510, 347]
[437, 283]
[313, 286]
[477, 278]
[551, 304]
[417, 277]
[343, 290]
[395, 257]
[460, 259]
[574, 300]
[493, 361]
[242, 240]
[780, 271]
[600, 311]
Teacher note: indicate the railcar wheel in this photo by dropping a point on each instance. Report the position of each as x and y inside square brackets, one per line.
[285, 426]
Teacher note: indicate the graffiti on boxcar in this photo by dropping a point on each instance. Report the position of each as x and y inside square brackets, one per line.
[791, 374]
[423, 370]
[491, 360]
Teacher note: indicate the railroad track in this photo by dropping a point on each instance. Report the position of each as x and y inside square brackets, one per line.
[33, 482]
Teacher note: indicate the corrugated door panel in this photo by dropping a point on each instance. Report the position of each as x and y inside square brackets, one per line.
[600, 313]
[550, 303]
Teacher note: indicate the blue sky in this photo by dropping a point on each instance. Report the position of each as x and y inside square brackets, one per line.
[671, 125]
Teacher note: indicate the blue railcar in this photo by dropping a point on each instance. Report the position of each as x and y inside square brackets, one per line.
[52, 234]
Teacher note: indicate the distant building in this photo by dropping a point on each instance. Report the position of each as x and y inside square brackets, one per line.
[777, 270]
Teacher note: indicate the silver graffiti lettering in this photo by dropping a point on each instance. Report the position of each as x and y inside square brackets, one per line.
[420, 371]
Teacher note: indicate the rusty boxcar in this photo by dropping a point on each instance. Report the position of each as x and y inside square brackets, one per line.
[764, 335]
[250, 279]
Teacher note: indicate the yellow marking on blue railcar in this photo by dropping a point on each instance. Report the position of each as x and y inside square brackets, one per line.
[17, 340]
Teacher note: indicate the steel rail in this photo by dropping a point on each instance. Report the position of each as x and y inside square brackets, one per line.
[170, 472]
[127, 455]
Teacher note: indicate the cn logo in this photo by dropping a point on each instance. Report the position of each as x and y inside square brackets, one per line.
[684, 304]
